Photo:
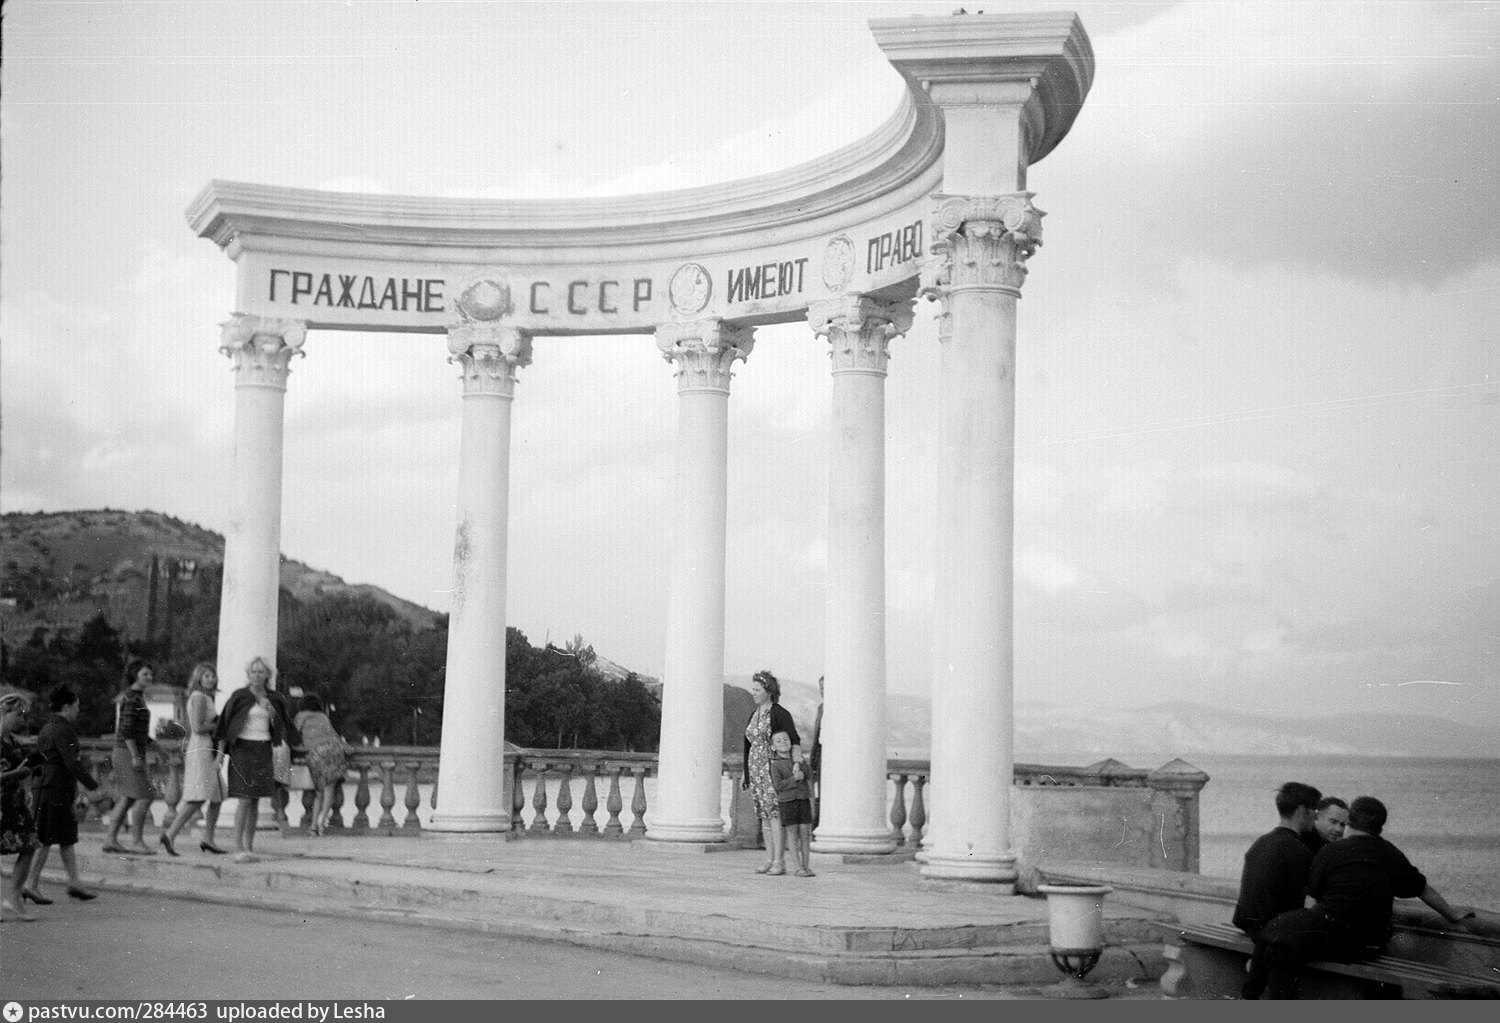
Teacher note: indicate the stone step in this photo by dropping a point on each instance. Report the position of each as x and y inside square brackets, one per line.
[1005, 954]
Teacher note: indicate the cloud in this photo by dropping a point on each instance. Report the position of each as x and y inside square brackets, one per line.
[1251, 129]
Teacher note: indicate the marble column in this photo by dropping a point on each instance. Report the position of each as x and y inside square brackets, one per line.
[261, 349]
[692, 718]
[983, 243]
[471, 771]
[852, 812]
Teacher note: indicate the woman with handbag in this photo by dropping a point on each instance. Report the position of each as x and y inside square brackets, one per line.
[253, 719]
[202, 786]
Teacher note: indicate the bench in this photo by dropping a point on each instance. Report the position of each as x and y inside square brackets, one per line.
[1208, 961]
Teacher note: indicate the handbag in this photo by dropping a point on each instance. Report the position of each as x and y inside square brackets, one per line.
[281, 763]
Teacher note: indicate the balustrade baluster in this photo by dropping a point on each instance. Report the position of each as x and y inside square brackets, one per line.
[613, 804]
[918, 810]
[898, 810]
[362, 799]
[564, 825]
[413, 798]
[517, 798]
[387, 797]
[590, 802]
[336, 806]
[94, 813]
[638, 802]
[172, 789]
[539, 798]
[279, 800]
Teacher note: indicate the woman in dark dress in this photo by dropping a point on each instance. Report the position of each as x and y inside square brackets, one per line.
[253, 719]
[769, 718]
[132, 739]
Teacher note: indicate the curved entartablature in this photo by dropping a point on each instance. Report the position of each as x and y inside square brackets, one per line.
[754, 251]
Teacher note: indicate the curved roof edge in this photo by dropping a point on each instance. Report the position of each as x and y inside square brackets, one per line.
[854, 178]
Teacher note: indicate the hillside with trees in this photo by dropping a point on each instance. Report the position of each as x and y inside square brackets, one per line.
[82, 591]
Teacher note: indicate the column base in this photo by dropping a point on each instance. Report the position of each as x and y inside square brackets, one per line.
[993, 869]
[477, 821]
[867, 842]
[709, 829]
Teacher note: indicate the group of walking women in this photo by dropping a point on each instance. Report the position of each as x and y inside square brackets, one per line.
[246, 732]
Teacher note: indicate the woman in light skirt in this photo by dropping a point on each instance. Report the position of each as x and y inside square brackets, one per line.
[202, 786]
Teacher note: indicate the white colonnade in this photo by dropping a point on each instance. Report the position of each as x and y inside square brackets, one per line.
[935, 198]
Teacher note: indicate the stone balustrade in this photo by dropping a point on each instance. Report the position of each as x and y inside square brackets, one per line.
[596, 794]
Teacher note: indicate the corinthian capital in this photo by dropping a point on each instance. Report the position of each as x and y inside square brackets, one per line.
[262, 348]
[704, 351]
[983, 241]
[859, 330]
[489, 355]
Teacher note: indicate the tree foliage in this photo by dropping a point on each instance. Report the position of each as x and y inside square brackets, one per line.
[380, 676]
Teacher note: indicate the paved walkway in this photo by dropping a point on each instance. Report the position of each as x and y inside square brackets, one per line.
[855, 923]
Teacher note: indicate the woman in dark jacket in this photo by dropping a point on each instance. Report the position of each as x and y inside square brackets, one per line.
[253, 719]
[62, 772]
[132, 739]
[769, 718]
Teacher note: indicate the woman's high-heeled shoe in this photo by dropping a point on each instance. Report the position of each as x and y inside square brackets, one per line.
[14, 912]
[37, 897]
[209, 847]
[166, 843]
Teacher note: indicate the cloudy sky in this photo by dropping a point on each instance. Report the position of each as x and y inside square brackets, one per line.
[1259, 385]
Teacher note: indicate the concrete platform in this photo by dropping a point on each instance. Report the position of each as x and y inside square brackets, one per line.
[854, 923]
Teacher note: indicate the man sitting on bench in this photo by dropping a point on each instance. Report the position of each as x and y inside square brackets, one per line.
[1275, 874]
[1353, 882]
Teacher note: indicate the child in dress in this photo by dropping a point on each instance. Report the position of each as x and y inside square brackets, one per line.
[795, 800]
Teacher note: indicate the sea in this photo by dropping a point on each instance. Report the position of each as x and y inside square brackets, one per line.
[1444, 813]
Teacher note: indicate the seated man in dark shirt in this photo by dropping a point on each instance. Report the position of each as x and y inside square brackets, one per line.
[1275, 873]
[1353, 882]
[1329, 824]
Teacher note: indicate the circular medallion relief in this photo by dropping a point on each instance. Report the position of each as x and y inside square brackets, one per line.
[690, 288]
[485, 300]
[838, 263]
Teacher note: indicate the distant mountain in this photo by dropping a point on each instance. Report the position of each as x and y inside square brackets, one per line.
[1050, 733]
[63, 568]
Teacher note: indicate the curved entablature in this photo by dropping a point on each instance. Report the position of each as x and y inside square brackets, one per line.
[754, 251]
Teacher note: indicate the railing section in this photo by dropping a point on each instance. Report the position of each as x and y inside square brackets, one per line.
[553, 793]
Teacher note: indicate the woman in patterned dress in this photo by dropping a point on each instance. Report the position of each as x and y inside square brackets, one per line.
[15, 816]
[327, 761]
[769, 718]
[202, 786]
